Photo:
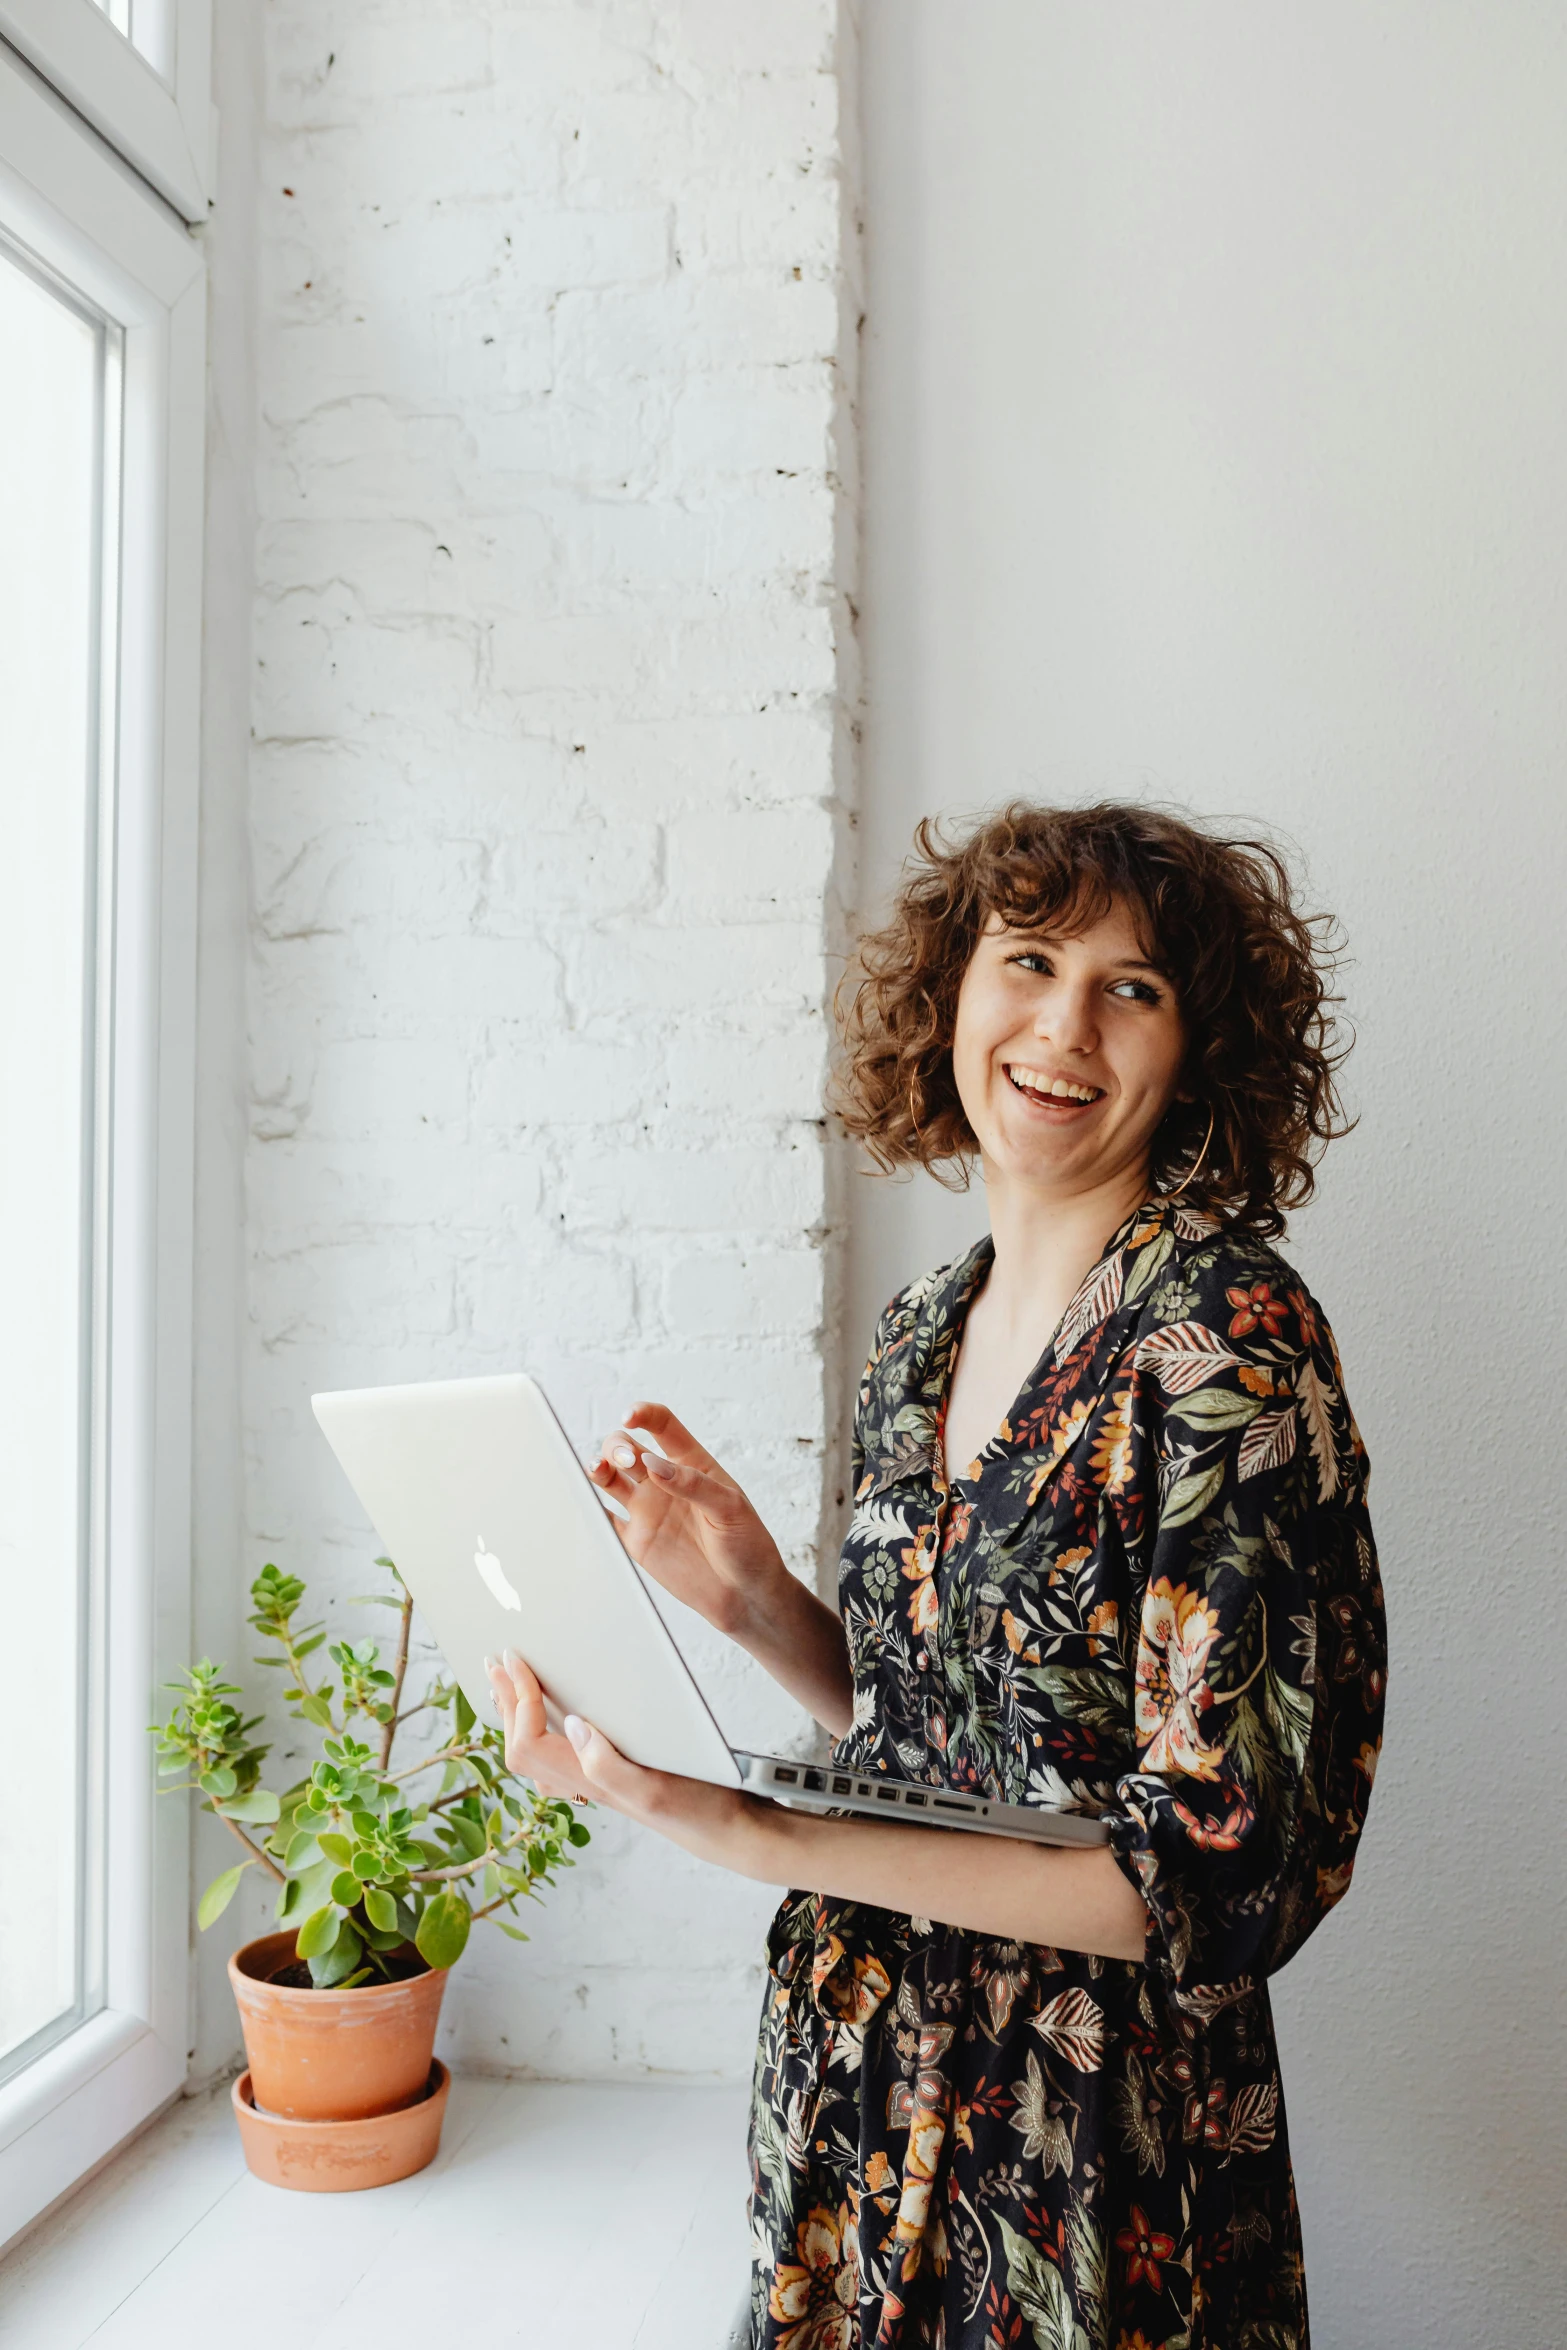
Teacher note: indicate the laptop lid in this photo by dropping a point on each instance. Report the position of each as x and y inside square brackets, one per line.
[494, 1526]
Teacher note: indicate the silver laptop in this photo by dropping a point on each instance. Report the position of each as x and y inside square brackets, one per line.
[503, 1540]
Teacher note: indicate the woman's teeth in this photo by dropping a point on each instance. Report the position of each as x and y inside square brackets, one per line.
[1039, 1087]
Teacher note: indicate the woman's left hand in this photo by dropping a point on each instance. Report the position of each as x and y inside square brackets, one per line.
[718, 1824]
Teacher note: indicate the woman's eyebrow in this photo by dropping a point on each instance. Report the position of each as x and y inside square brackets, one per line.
[1055, 938]
[1044, 935]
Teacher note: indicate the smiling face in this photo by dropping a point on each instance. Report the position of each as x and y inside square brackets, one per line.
[1066, 1053]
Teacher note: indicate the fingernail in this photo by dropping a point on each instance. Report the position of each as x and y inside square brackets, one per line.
[510, 1659]
[492, 1664]
[656, 1465]
[577, 1731]
[625, 1456]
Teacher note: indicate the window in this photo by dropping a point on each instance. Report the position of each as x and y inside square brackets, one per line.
[102, 397]
[140, 71]
[59, 497]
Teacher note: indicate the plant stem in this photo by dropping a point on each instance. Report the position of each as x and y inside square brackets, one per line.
[409, 1711]
[399, 1670]
[446, 1754]
[502, 1901]
[265, 1858]
[467, 1868]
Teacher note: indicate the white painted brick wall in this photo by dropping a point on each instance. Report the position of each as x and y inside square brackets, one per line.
[553, 738]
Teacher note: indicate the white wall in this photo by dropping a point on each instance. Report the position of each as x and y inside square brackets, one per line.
[553, 340]
[1213, 422]
[218, 1540]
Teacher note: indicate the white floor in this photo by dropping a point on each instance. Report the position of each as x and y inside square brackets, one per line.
[562, 2217]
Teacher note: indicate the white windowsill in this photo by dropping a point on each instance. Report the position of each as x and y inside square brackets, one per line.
[63, 2069]
[585, 2217]
[80, 2097]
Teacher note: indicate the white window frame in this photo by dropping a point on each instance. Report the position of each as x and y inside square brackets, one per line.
[150, 95]
[92, 221]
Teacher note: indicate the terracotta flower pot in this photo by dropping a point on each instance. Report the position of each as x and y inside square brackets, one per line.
[335, 2056]
[334, 2158]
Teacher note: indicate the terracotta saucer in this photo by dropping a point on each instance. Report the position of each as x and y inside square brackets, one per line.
[333, 2158]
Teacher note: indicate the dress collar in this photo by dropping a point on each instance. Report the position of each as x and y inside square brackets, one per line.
[944, 1309]
[1131, 1260]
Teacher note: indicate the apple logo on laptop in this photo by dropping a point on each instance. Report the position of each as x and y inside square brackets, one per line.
[494, 1577]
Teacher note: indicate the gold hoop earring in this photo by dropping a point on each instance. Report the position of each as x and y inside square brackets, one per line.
[1196, 1163]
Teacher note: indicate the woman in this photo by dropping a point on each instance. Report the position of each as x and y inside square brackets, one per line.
[1110, 1551]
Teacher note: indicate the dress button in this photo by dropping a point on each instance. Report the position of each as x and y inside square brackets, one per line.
[922, 1662]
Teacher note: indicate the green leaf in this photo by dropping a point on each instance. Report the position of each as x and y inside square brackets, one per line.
[258, 1805]
[337, 1848]
[366, 1824]
[315, 1709]
[1039, 2289]
[578, 1834]
[381, 1909]
[1089, 2247]
[1190, 1497]
[463, 1714]
[304, 1850]
[468, 1833]
[315, 1886]
[319, 1932]
[443, 1930]
[1289, 1711]
[1147, 1265]
[334, 1965]
[220, 1893]
[220, 1782]
[345, 1888]
[366, 1867]
[1216, 1407]
[515, 1932]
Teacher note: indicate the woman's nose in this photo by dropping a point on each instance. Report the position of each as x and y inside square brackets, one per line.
[1065, 1018]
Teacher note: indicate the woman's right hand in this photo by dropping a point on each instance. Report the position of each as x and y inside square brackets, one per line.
[689, 1524]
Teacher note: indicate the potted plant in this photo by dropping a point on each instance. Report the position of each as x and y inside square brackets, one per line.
[381, 1870]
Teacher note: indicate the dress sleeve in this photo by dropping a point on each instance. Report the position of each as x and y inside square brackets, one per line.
[1260, 1655]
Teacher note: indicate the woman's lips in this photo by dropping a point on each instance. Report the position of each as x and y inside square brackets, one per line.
[1057, 1106]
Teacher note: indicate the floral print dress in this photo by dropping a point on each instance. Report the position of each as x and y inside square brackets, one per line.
[1152, 1597]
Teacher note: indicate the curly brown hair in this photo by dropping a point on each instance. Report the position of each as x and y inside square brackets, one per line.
[1217, 916]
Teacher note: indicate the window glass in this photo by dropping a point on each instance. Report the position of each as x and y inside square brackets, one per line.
[56, 386]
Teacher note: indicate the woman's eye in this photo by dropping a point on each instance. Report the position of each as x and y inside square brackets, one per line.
[1137, 991]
